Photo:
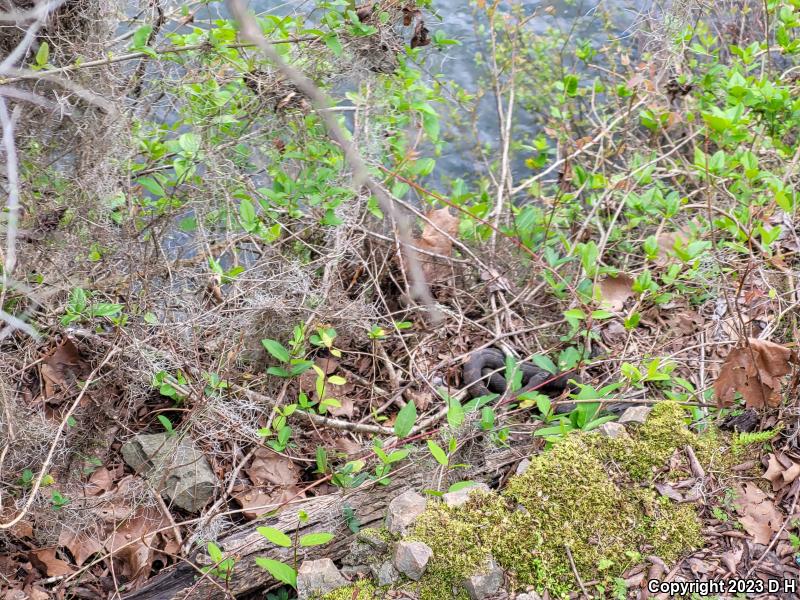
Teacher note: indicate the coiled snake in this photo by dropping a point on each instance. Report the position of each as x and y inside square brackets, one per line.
[482, 377]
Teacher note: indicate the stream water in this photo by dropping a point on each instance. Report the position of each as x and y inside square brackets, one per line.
[459, 20]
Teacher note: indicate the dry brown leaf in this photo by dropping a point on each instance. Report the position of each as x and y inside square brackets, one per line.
[421, 35]
[614, 291]
[267, 467]
[62, 365]
[132, 543]
[759, 515]
[437, 236]
[256, 502]
[100, 482]
[80, 545]
[755, 371]
[45, 560]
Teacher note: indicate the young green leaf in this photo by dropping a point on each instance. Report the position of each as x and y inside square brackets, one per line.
[43, 54]
[315, 539]
[277, 350]
[405, 420]
[275, 536]
[280, 571]
[438, 453]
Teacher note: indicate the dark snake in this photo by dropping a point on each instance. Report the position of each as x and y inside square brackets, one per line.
[483, 374]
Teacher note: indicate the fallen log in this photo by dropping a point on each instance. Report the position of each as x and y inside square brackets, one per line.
[325, 514]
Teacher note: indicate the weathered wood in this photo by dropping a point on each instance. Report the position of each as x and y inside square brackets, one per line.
[325, 513]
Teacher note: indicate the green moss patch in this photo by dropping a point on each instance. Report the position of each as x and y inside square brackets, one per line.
[589, 494]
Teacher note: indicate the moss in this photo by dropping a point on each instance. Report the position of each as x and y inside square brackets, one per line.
[363, 590]
[584, 495]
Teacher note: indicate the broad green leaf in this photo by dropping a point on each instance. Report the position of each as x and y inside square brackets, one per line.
[275, 536]
[461, 485]
[455, 412]
[280, 571]
[544, 362]
[141, 36]
[248, 213]
[214, 552]
[43, 54]
[438, 453]
[277, 350]
[315, 539]
[405, 420]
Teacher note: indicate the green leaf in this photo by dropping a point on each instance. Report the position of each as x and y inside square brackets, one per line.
[280, 571]
[333, 44]
[315, 539]
[248, 213]
[461, 485]
[438, 453]
[544, 362]
[214, 552]
[43, 54]
[405, 420]
[141, 36]
[337, 380]
[277, 350]
[455, 412]
[165, 422]
[152, 186]
[275, 536]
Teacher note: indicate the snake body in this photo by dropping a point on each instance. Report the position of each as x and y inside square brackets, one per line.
[483, 371]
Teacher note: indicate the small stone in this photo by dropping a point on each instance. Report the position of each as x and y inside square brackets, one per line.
[174, 466]
[404, 510]
[523, 466]
[373, 538]
[529, 596]
[360, 553]
[635, 414]
[385, 573]
[352, 572]
[454, 499]
[318, 577]
[612, 430]
[411, 558]
[485, 585]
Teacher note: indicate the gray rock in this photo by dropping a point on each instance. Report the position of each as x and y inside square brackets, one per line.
[352, 572]
[486, 583]
[454, 499]
[404, 510]
[411, 558]
[174, 466]
[360, 553]
[373, 538]
[529, 596]
[523, 466]
[635, 414]
[318, 577]
[385, 573]
[612, 430]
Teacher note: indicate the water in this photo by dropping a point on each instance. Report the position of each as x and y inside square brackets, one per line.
[459, 20]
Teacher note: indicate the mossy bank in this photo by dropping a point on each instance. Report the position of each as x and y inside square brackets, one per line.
[589, 497]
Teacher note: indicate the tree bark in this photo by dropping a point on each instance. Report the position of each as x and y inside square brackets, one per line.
[325, 514]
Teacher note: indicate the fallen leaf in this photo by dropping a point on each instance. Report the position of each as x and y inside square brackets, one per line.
[267, 467]
[759, 515]
[100, 481]
[614, 291]
[80, 544]
[781, 471]
[755, 371]
[132, 543]
[437, 237]
[256, 502]
[421, 35]
[45, 560]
